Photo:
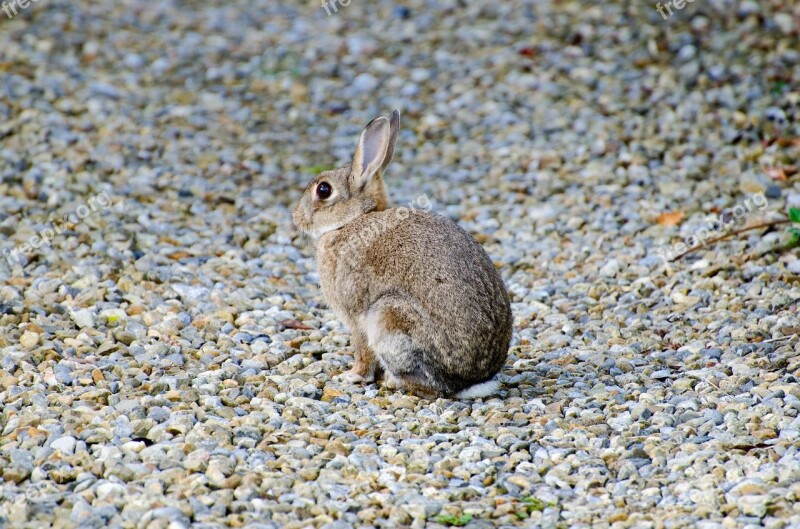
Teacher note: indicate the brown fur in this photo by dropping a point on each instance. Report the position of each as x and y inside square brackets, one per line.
[396, 321]
[421, 297]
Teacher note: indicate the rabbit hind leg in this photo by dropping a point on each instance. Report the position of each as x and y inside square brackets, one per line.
[390, 324]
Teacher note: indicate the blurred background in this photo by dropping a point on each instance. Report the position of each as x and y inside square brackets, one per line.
[163, 96]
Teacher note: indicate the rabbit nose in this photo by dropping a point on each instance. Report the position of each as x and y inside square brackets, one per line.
[298, 220]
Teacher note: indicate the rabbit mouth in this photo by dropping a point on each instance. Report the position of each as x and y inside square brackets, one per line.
[322, 230]
[308, 227]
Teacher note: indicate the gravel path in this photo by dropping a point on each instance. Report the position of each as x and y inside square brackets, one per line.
[166, 358]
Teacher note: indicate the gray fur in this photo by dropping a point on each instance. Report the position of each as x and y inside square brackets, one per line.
[422, 299]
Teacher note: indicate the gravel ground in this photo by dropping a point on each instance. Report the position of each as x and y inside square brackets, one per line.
[166, 358]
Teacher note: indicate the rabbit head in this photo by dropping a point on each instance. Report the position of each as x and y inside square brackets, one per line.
[339, 196]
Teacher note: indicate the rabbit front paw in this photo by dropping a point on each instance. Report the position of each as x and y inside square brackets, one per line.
[360, 372]
[354, 376]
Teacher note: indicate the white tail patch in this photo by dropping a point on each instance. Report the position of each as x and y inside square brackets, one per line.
[484, 389]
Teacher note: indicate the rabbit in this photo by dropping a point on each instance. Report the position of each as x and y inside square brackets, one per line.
[423, 301]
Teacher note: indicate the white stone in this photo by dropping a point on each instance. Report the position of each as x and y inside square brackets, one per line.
[610, 269]
[65, 444]
[83, 318]
[104, 490]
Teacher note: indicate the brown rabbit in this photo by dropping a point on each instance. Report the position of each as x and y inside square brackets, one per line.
[423, 301]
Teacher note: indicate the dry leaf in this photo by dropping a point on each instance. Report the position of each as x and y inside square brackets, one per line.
[176, 256]
[670, 218]
[295, 324]
[169, 240]
[788, 142]
[776, 173]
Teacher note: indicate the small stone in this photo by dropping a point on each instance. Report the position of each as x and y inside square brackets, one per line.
[112, 317]
[65, 444]
[520, 481]
[83, 318]
[405, 403]
[22, 459]
[751, 187]
[773, 191]
[328, 394]
[29, 340]
[621, 422]
[15, 474]
[218, 470]
[105, 90]
[169, 514]
[364, 83]
[554, 408]
[422, 510]
[108, 489]
[63, 374]
[748, 487]
[786, 23]
[753, 505]
[470, 454]
[610, 269]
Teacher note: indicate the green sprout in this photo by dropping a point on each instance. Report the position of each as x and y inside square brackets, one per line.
[794, 218]
[317, 169]
[532, 504]
[777, 88]
[454, 521]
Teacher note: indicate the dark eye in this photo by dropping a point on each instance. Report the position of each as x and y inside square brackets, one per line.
[324, 190]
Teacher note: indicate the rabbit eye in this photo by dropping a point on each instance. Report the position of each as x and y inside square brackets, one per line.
[324, 190]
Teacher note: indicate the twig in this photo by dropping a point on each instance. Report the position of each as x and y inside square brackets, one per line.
[779, 339]
[731, 234]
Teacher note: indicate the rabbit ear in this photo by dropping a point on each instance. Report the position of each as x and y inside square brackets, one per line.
[394, 127]
[375, 149]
